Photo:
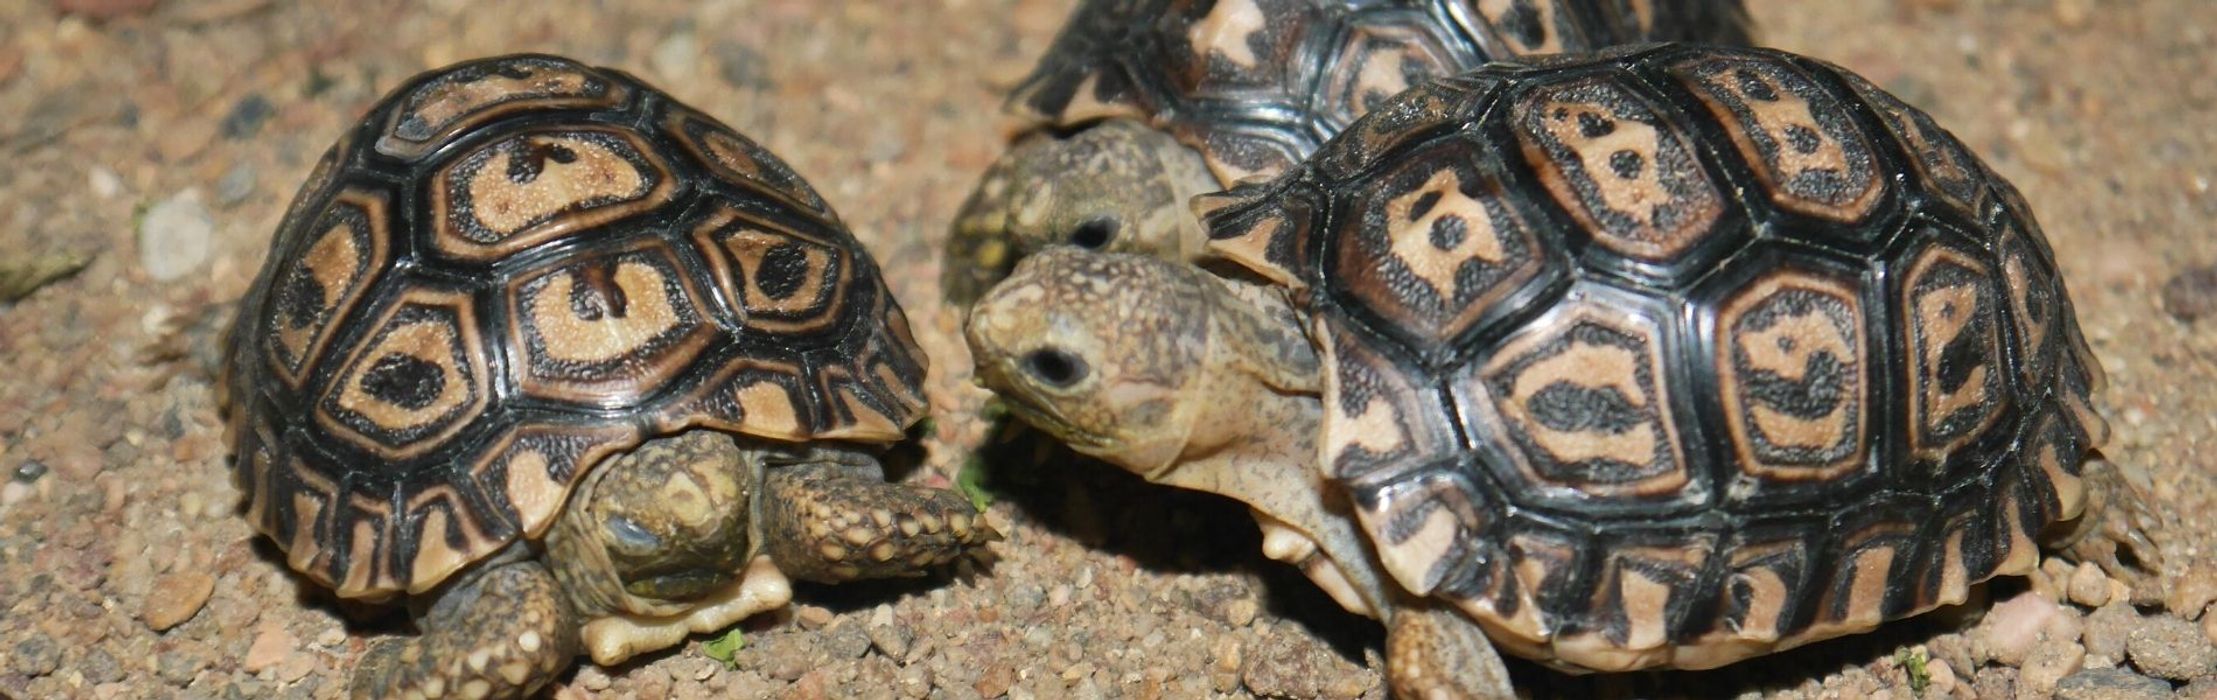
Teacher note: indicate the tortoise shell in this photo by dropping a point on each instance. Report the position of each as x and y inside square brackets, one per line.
[1677, 355]
[512, 268]
[1256, 85]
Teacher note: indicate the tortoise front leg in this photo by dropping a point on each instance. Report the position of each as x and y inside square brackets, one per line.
[502, 633]
[835, 519]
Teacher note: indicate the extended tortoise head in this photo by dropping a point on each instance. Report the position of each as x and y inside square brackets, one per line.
[1666, 357]
[1138, 106]
[542, 344]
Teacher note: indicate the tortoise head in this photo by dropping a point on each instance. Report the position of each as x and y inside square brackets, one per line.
[1103, 351]
[1116, 186]
[670, 519]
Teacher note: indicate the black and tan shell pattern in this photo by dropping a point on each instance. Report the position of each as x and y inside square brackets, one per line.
[512, 268]
[1678, 355]
[1256, 85]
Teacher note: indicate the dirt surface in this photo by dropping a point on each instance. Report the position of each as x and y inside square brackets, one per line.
[161, 140]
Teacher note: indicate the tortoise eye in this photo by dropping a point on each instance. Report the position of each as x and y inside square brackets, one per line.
[630, 538]
[1096, 232]
[1055, 367]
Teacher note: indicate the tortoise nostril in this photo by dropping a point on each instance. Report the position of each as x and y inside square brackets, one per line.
[1096, 233]
[1055, 367]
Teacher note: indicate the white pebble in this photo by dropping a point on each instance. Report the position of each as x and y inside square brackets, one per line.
[175, 237]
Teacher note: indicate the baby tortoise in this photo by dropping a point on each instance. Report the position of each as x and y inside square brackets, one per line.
[573, 367]
[1665, 357]
[1138, 106]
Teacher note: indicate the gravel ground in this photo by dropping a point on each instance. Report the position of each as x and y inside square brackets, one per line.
[153, 145]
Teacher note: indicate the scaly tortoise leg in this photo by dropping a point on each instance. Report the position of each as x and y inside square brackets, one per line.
[2117, 518]
[831, 522]
[1435, 653]
[502, 633]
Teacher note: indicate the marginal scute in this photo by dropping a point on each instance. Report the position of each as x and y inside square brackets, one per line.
[1271, 239]
[1946, 167]
[440, 105]
[1798, 137]
[1426, 528]
[607, 328]
[1791, 368]
[532, 186]
[1626, 174]
[1949, 313]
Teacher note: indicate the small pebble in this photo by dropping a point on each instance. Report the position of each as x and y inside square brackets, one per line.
[36, 655]
[2191, 295]
[104, 182]
[2193, 591]
[2047, 666]
[2089, 586]
[2204, 688]
[1995, 682]
[2110, 684]
[2014, 627]
[29, 471]
[2072, 14]
[2168, 647]
[247, 116]
[891, 638]
[813, 616]
[2105, 632]
[176, 597]
[237, 184]
[271, 646]
[674, 56]
[996, 681]
[174, 236]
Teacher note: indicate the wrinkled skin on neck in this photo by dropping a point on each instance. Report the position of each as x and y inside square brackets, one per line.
[1115, 185]
[655, 529]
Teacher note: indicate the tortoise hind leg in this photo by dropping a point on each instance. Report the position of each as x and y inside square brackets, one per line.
[1434, 653]
[839, 520]
[2117, 520]
[500, 634]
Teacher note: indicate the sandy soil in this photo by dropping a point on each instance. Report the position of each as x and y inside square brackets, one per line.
[160, 140]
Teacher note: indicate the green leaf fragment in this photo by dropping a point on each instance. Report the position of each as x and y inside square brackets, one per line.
[1913, 661]
[971, 482]
[18, 279]
[725, 647]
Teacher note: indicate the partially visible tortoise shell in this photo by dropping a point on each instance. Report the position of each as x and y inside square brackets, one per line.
[512, 268]
[1678, 355]
[1256, 85]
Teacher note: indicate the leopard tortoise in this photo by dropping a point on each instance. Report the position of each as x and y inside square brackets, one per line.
[1668, 356]
[572, 367]
[1140, 104]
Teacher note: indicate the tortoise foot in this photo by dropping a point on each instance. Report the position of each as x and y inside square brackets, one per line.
[501, 634]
